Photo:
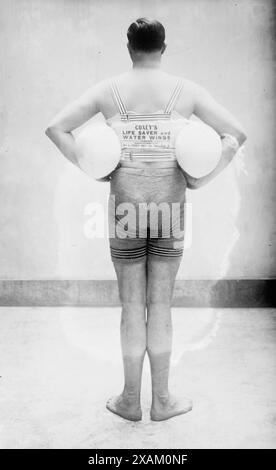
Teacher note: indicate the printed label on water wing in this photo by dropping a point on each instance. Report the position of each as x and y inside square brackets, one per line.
[150, 135]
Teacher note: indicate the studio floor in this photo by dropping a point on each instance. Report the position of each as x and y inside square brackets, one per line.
[58, 366]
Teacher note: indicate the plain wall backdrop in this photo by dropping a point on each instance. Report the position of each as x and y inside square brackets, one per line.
[52, 51]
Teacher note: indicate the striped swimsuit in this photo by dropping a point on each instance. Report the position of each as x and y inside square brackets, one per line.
[147, 196]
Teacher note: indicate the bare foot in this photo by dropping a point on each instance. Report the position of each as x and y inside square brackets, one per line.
[168, 407]
[124, 407]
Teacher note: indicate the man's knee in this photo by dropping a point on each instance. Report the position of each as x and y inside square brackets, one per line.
[157, 304]
[133, 310]
[130, 304]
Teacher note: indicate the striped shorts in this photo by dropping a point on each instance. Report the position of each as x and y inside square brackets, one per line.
[146, 213]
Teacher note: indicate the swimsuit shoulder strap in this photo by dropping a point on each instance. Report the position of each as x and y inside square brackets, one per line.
[121, 107]
[174, 97]
[117, 98]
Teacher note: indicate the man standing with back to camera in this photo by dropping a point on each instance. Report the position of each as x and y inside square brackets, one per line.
[146, 267]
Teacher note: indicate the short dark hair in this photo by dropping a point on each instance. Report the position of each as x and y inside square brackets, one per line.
[146, 35]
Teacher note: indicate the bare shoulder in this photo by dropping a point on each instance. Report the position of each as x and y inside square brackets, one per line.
[196, 92]
[190, 87]
[101, 93]
[96, 94]
[104, 85]
[101, 90]
[195, 89]
[98, 88]
[189, 95]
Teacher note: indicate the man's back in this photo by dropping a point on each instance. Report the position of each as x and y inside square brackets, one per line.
[146, 91]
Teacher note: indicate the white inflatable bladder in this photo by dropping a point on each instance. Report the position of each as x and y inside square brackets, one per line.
[198, 148]
[98, 150]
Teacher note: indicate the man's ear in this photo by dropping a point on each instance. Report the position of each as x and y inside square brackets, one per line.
[129, 50]
[164, 47]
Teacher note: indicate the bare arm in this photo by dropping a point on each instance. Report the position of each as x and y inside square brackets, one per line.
[72, 116]
[220, 119]
[216, 116]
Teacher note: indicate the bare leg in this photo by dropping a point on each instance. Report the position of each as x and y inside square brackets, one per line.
[160, 284]
[132, 288]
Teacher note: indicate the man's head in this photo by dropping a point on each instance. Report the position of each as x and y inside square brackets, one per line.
[146, 36]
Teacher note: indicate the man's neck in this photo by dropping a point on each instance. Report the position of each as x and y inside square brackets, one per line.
[147, 61]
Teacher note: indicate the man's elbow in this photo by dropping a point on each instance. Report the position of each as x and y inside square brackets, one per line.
[241, 137]
[50, 131]
[238, 134]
